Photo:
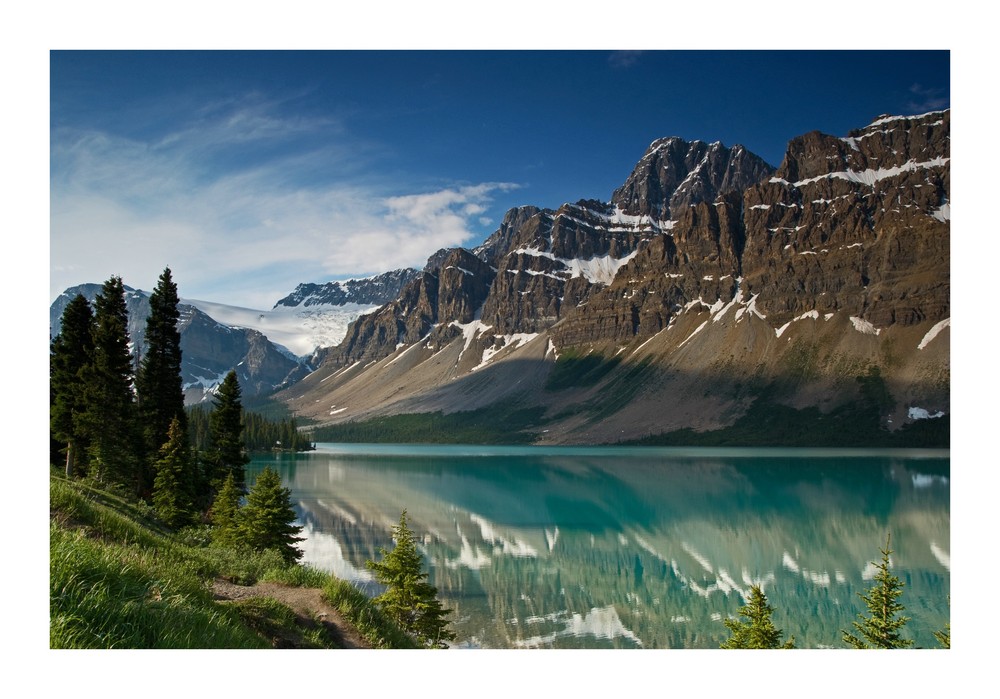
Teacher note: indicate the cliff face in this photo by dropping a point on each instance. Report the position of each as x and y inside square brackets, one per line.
[857, 225]
[707, 278]
[452, 287]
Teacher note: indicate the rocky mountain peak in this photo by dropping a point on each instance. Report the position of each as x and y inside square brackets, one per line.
[376, 290]
[500, 241]
[888, 142]
[675, 173]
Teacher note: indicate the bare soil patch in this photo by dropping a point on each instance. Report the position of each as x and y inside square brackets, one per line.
[307, 603]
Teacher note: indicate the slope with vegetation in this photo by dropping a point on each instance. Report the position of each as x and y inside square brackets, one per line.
[121, 578]
[143, 528]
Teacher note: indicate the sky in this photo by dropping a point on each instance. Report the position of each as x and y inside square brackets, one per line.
[249, 172]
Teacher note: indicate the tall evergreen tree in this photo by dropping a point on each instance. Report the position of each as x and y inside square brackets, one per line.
[71, 350]
[172, 497]
[757, 631]
[158, 386]
[108, 420]
[409, 598]
[226, 453]
[880, 629]
[266, 521]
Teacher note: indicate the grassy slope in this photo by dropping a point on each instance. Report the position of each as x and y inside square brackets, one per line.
[768, 422]
[119, 579]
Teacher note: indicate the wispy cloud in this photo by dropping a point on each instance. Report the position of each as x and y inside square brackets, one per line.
[623, 59]
[242, 204]
[925, 99]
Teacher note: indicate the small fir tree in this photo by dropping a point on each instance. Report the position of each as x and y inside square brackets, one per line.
[409, 599]
[172, 498]
[880, 629]
[757, 631]
[266, 521]
[225, 514]
[944, 636]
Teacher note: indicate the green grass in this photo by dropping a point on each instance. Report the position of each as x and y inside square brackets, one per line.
[110, 595]
[378, 630]
[120, 579]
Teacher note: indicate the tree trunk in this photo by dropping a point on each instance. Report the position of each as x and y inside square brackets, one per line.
[70, 459]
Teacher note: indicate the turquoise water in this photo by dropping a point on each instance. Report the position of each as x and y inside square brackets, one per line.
[611, 547]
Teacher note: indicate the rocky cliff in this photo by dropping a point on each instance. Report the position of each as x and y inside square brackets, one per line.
[708, 281]
[378, 290]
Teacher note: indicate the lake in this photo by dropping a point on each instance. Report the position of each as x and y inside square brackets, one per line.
[634, 547]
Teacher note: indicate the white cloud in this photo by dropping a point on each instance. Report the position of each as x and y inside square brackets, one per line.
[623, 59]
[241, 234]
[927, 99]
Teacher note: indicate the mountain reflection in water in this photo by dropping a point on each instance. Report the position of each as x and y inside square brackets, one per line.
[634, 547]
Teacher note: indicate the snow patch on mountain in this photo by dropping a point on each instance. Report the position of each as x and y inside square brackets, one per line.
[933, 332]
[923, 414]
[511, 342]
[808, 314]
[299, 329]
[869, 176]
[596, 270]
[864, 327]
[888, 118]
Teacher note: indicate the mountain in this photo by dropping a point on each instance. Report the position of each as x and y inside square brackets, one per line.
[209, 349]
[376, 290]
[268, 349]
[712, 291]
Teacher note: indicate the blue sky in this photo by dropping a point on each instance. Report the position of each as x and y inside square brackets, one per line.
[250, 172]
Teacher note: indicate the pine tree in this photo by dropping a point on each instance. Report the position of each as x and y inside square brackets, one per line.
[944, 636]
[757, 631]
[225, 513]
[172, 498]
[226, 452]
[409, 599]
[880, 629]
[159, 390]
[108, 419]
[71, 350]
[266, 521]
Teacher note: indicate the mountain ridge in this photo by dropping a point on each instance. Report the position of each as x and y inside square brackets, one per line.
[797, 282]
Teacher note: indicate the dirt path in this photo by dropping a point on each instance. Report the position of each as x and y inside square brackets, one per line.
[306, 602]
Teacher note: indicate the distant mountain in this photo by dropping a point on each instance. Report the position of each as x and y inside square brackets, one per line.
[210, 349]
[370, 291]
[268, 349]
[710, 282]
